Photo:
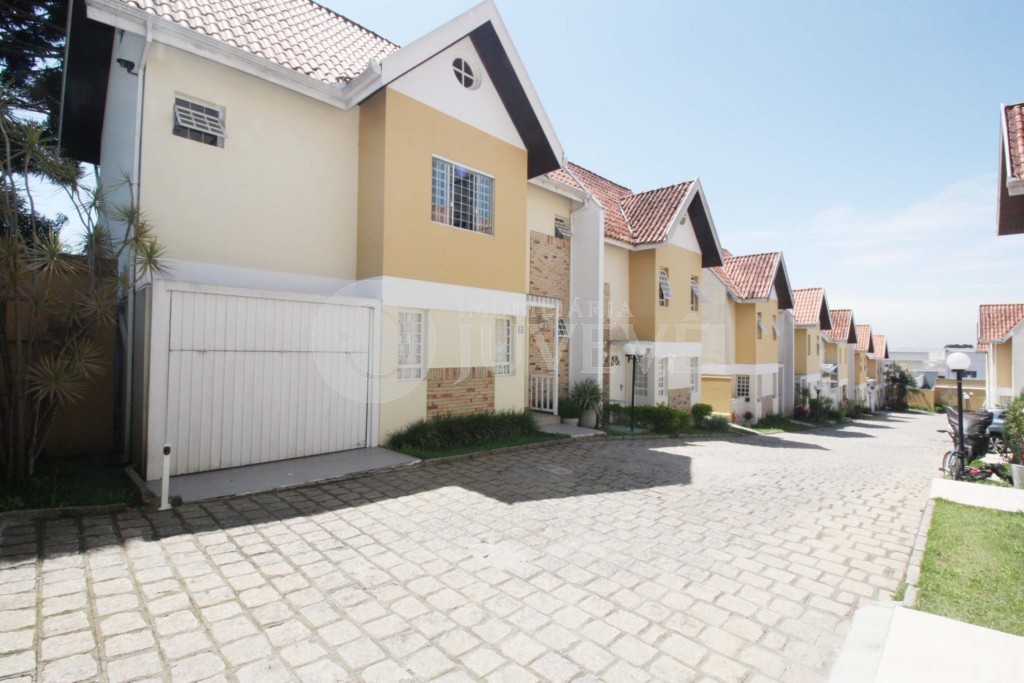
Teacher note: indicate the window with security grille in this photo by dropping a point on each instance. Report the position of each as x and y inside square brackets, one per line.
[694, 374]
[742, 386]
[503, 346]
[563, 328]
[562, 229]
[664, 287]
[694, 294]
[760, 326]
[198, 122]
[410, 345]
[775, 327]
[462, 198]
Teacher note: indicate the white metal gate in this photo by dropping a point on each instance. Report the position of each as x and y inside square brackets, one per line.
[256, 378]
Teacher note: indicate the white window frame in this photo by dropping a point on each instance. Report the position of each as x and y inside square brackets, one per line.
[696, 296]
[775, 327]
[742, 386]
[694, 374]
[664, 287]
[412, 369]
[445, 214]
[563, 328]
[662, 381]
[562, 229]
[641, 379]
[504, 346]
[760, 326]
[198, 125]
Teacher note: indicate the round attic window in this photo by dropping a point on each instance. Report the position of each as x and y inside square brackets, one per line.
[464, 73]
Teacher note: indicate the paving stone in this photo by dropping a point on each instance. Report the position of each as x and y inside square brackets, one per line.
[76, 668]
[134, 667]
[57, 647]
[115, 646]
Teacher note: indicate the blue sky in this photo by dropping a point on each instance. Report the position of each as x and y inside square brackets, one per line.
[816, 128]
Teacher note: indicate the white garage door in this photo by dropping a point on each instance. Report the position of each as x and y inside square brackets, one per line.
[254, 379]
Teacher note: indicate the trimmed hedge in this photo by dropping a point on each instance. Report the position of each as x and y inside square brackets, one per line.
[662, 419]
[456, 431]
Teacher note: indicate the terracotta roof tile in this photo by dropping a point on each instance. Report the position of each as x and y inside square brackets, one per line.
[1015, 139]
[297, 34]
[995, 321]
[842, 319]
[633, 218]
[807, 305]
[750, 276]
[649, 214]
[881, 347]
[865, 340]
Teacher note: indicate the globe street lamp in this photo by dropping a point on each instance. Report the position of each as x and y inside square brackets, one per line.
[629, 348]
[958, 362]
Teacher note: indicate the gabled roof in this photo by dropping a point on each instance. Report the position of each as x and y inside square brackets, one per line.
[298, 34]
[865, 340]
[752, 277]
[1010, 219]
[296, 44]
[646, 218]
[843, 326]
[996, 321]
[881, 346]
[811, 308]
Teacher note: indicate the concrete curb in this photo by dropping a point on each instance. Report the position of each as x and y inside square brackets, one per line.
[913, 573]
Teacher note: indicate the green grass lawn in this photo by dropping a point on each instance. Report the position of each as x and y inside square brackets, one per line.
[485, 446]
[973, 567]
[71, 482]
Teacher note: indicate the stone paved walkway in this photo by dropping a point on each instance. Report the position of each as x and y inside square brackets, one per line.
[601, 561]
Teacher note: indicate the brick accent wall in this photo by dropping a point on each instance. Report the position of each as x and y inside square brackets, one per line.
[680, 398]
[459, 391]
[549, 276]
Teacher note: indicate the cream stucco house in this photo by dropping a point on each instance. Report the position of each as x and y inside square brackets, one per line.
[863, 385]
[1001, 335]
[813, 319]
[646, 285]
[747, 336]
[358, 235]
[839, 366]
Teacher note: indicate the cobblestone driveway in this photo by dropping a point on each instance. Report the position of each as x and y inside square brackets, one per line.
[610, 561]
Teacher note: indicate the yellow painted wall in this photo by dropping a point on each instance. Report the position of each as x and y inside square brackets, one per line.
[415, 247]
[1004, 364]
[716, 391]
[273, 197]
[643, 293]
[454, 340]
[676, 322]
[750, 349]
[617, 275]
[861, 359]
[542, 206]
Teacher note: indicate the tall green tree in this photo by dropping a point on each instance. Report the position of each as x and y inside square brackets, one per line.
[54, 305]
[32, 35]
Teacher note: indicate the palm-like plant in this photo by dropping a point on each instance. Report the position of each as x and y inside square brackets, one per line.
[54, 304]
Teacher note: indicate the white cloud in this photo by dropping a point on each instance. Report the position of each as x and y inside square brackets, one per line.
[915, 272]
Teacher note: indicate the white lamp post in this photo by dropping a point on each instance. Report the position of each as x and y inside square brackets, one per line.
[629, 348]
[958, 362]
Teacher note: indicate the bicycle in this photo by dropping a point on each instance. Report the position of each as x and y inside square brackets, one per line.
[977, 444]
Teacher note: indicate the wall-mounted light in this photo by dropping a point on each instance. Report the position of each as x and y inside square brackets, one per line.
[128, 65]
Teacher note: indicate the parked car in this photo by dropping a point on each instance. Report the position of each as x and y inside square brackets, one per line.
[995, 431]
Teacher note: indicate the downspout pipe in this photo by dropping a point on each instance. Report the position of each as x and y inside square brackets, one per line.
[136, 190]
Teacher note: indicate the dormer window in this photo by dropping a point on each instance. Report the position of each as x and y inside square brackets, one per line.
[199, 122]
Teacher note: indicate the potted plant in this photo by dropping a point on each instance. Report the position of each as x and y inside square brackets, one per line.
[569, 411]
[587, 394]
[1013, 432]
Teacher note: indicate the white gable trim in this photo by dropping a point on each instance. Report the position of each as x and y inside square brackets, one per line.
[422, 49]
